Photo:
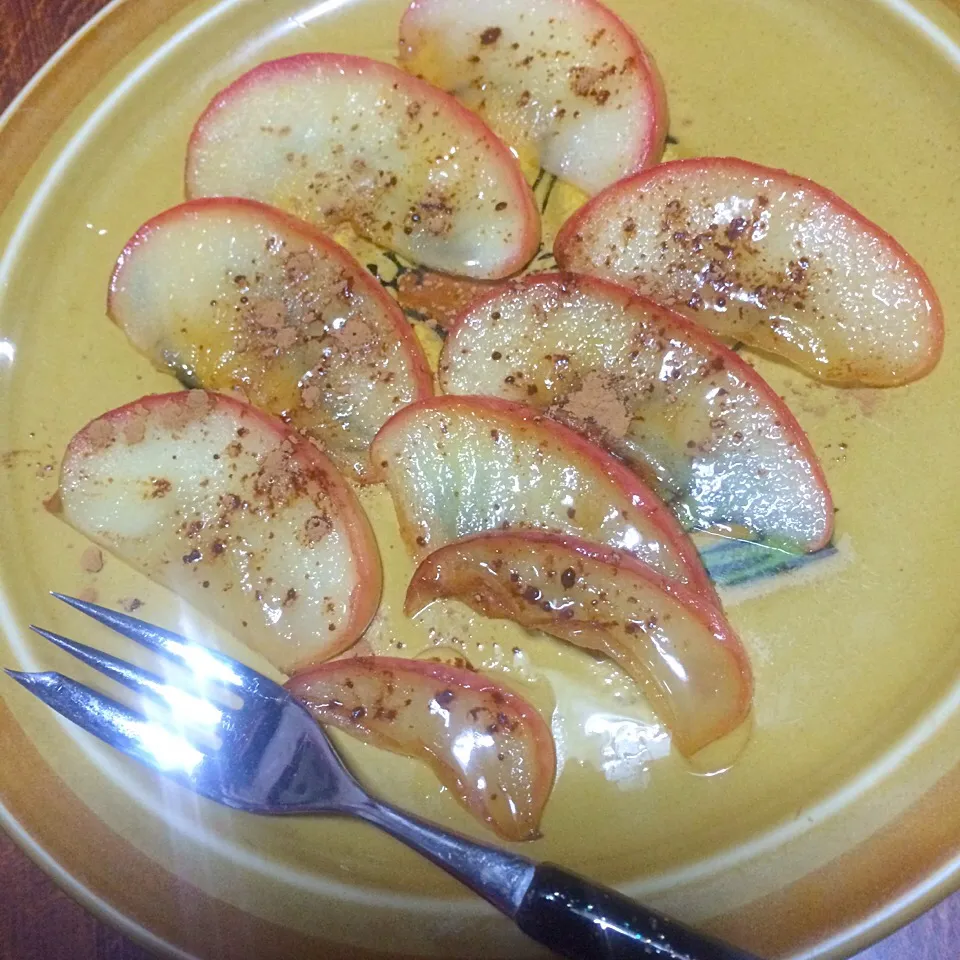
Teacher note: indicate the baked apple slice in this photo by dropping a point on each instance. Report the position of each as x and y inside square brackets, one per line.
[767, 258]
[337, 139]
[438, 298]
[487, 745]
[461, 465]
[678, 647]
[233, 511]
[566, 80]
[274, 310]
[695, 421]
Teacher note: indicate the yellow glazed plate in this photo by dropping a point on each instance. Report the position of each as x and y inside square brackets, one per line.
[839, 819]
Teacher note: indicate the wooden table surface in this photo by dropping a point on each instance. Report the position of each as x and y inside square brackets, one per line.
[37, 920]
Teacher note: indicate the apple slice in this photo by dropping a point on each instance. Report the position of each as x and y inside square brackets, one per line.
[462, 465]
[487, 745]
[274, 310]
[437, 297]
[767, 258]
[695, 421]
[679, 648]
[567, 80]
[235, 512]
[336, 139]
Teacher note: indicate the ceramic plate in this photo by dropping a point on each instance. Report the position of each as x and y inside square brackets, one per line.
[839, 819]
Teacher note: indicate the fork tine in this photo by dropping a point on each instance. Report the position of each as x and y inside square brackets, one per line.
[189, 709]
[201, 660]
[146, 740]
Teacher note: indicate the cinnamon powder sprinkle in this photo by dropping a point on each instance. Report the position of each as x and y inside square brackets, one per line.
[597, 401]
[91, 560]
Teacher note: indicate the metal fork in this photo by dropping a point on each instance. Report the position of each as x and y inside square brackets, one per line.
[269, 756]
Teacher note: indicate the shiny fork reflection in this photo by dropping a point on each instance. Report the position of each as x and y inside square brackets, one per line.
[265, 756]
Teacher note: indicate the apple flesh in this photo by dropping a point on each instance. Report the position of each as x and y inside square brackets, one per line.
[461, 465]
[233, 295]
[693, 419]
[487, 745]
[676, 646]
[767, 258]
[337, 139]
[235, 512]
[566, 80]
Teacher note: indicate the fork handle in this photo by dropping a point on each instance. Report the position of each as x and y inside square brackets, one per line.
[582, 920]
[572, 916]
